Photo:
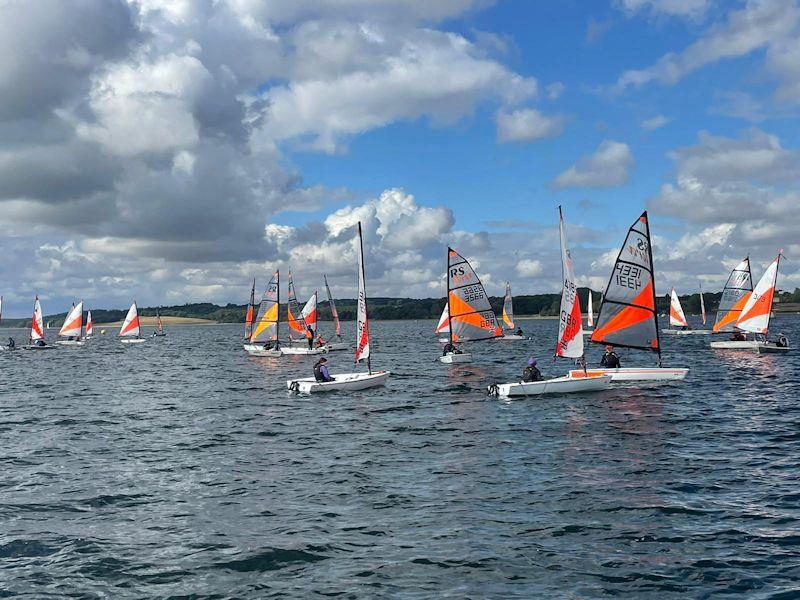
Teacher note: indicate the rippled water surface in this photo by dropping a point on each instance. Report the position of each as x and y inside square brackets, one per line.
[183, 468]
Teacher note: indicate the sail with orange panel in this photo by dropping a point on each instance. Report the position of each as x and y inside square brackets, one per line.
[735, 295]
[470, 314]
[297, 325]
[265, 326]
[628, 315]
[570, 322]
[508, 309]
[443, 326]
[677, 318]
[755, 314]
[310, 312]
[248, 317]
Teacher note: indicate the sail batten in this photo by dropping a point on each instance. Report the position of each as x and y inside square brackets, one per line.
[627, 316]
[265, 326]
[735, 295]
[570, 326]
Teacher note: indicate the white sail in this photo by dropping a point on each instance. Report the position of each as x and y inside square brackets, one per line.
[508, 308]
[755, 314]
[570, 328]
[362, 324]
[159, 322]
[676, 316]
[130, 327]
[702, 306]
[590, 311]
[37, 333]
[309, 312]
[89, 324]
[73, 324]
[443, 326]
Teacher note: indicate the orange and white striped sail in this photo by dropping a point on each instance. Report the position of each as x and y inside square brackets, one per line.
[755, 314]
[735, 295]
[362, 321]
[590, 311]
[628, 310]
[73, 324]
[130, 327]
[297, 325]
[676, 316]
[471, 316]
[310, 312]
[89, 324]
[702, 306]
[570, 327]
[37, 322]
[508, 308]
[443, 326]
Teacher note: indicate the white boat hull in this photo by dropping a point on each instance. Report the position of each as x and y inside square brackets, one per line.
[512, 337]
[686, 331]
[304, 351]
[444, 340]
[7, 349]
[133, 340]
[557, 385]
[70, 342]
[343, 382]
[33, 347]
[452, 359]
[636, 373]
[736, 345]
[588, 331]
[256, 350]
[771, 348]
[336, 346]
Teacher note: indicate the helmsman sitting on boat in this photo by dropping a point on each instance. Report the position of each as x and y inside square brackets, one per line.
[450, 348]
[321, 370]
[737, 336]
[320, 341]
[519, 332]
[610, 359]
[531, 372]
[11, 344]
[782, 342]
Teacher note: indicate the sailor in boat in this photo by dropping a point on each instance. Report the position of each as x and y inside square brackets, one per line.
[519, 331]
[737, 336]
[310, 337]
[610, 359]
[11, 344]
[321, 370]
[320, 341]
[782, 342]
[450, 348]
[531, 372]
[39, 343]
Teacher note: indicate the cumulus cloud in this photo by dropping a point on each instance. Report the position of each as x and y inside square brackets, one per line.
[609, 166]
[654, 123]
[527, 125]
[678, 8]
[529, 268]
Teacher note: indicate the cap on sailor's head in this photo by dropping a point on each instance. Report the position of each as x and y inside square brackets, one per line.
[531, 362]
[323, 359]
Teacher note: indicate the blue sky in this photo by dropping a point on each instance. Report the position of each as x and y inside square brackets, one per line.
[185, 148]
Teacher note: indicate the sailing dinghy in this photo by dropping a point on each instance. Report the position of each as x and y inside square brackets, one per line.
[350, 381]
[263, 340]
[72, 328]
[338, 344]
[159, 332]
[628, 317]
[735, 295]
[508, 317]
[443, 326]
[36, 338]
[677, 319]
[469, 314]
[297, 326]
[130, 332]
[569, 344]
[589, 315]
[89, 326]
[755, 315]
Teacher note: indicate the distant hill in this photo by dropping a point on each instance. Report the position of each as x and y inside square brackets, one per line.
[399, 308]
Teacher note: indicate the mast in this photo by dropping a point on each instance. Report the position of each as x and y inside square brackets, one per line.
[447, 276]
[278, 322]
[653, 275]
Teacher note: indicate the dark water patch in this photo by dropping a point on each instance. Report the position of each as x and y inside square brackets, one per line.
[270, 560]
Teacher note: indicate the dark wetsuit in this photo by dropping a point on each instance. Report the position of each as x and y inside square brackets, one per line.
[450, 348]
[737, 337]
[321, 372]
[310, 337]
[11, 343]
[782, 342]
[610, 361]
[531, 373]
[519, 331]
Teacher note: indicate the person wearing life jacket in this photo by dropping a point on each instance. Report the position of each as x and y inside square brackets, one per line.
[610, 359]
[737, 336]
[11, 343]
[519, 331]
[531, 372]
[782, 342]
[310, 337]
[39, 343]
[321, 370]
[450, 348]
[320, 341]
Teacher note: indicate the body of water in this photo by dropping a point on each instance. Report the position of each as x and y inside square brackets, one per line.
[182, 468]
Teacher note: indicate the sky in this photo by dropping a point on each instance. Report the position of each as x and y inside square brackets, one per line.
[169, 151]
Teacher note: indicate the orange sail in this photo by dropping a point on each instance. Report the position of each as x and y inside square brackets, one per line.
[755, 314]
[297, 325]
[735, 295]
[470, 315]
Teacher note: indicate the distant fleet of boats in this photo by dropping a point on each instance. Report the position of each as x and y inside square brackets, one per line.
[627, 318]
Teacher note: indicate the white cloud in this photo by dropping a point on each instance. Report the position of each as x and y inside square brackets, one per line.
[554, 90]
[529, 268]
[654, 123]
[678, 8]
[609, 166]
[760, 23]
[526, 125]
